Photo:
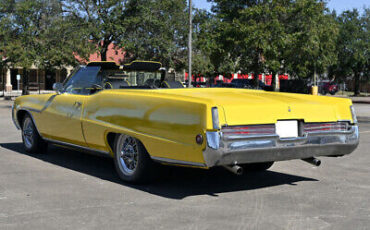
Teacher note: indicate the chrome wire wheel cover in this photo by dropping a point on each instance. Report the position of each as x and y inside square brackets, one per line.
[28, 132]
[127, 153]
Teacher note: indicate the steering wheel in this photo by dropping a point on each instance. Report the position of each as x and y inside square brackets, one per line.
[97, 87]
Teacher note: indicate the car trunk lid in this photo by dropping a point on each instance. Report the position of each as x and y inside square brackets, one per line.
[242, 106]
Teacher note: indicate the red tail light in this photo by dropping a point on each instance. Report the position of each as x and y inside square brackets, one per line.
[249, 130]
[325, 127]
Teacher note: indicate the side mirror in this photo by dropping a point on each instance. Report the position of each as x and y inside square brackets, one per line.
[58, 87]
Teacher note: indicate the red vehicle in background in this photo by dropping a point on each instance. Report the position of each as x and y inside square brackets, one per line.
[329, 87]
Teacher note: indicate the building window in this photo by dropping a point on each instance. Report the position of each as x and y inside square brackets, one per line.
[32, 75]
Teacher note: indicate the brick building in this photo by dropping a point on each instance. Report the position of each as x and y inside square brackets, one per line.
[41, 79]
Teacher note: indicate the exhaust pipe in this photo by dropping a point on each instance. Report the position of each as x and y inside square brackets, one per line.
[234, 169]
[313, 161]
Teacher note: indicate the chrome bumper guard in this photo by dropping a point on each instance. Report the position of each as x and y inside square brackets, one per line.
[239, 149]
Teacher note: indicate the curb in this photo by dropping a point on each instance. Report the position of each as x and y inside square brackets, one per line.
[361, 102]
[363, 119]
[356, 100]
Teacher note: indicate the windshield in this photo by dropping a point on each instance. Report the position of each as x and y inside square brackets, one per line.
[82, 80]
[86, 78]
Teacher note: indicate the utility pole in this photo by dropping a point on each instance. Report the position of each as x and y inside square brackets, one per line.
[189, 44]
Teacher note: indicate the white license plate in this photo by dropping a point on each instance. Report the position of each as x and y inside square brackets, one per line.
[286, 129]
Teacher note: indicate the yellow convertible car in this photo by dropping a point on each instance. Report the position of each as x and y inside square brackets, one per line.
[133, 114]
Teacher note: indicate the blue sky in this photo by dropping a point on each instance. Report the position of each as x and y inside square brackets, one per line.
[338, 5]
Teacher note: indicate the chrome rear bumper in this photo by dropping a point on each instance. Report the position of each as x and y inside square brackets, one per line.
[223, 150]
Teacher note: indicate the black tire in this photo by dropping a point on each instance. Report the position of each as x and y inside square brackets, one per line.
[32, 141]
[141, 171]
[332, 92]
[257, 167]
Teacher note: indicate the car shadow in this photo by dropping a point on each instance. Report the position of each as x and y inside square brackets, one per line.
[173, 182]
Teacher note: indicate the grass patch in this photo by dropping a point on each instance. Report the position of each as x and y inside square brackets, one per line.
[351, 94]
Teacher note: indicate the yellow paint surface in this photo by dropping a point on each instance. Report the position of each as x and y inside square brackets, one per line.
[167, 121]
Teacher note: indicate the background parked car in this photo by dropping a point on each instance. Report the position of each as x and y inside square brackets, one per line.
[295, 86]
[220, 84]
[247, 83]
[328, 87]
[198, 84]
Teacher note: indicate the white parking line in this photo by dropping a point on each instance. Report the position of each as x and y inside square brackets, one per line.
[365, 131]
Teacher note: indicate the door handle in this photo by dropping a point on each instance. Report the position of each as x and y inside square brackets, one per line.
[77, 104]
[74, 109]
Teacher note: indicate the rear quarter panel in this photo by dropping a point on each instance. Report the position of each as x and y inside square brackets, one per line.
[167, 126]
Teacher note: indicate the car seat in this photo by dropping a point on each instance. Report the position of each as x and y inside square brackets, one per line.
[116, 84]
[172, 84]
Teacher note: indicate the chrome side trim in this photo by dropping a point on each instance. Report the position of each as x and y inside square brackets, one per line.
[177, 162]
[353, 113]
[79, 147]
[30, 109]
[33, 120]
[83, 148]
[243, 137]
[215, 119]
[14, 119]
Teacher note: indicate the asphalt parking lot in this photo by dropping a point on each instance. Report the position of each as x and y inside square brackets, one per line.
[65, 189]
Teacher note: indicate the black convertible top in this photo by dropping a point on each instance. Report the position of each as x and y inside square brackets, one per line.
[150, 66]
[142, 66]
[104, 64]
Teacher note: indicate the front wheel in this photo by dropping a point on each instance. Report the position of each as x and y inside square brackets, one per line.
[257, 167]
[132, 161]
[32, 141]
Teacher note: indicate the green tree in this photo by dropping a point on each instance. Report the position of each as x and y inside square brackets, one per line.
[264, 29]
[208, 58]
[276, 35]
[6, 7]
[99, 21]
[37, 33]
[156, 30]
[311, 39]
[353, 46]
[203, 43]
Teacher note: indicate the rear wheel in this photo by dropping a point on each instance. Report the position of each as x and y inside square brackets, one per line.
[132, 161]
[32, 141]
[257, 167]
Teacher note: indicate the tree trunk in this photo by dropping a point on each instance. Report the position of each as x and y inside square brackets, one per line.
[2, 79]
[273, 81]
[25, 82]
[103, 54]
[104, 50]
[357, 84]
